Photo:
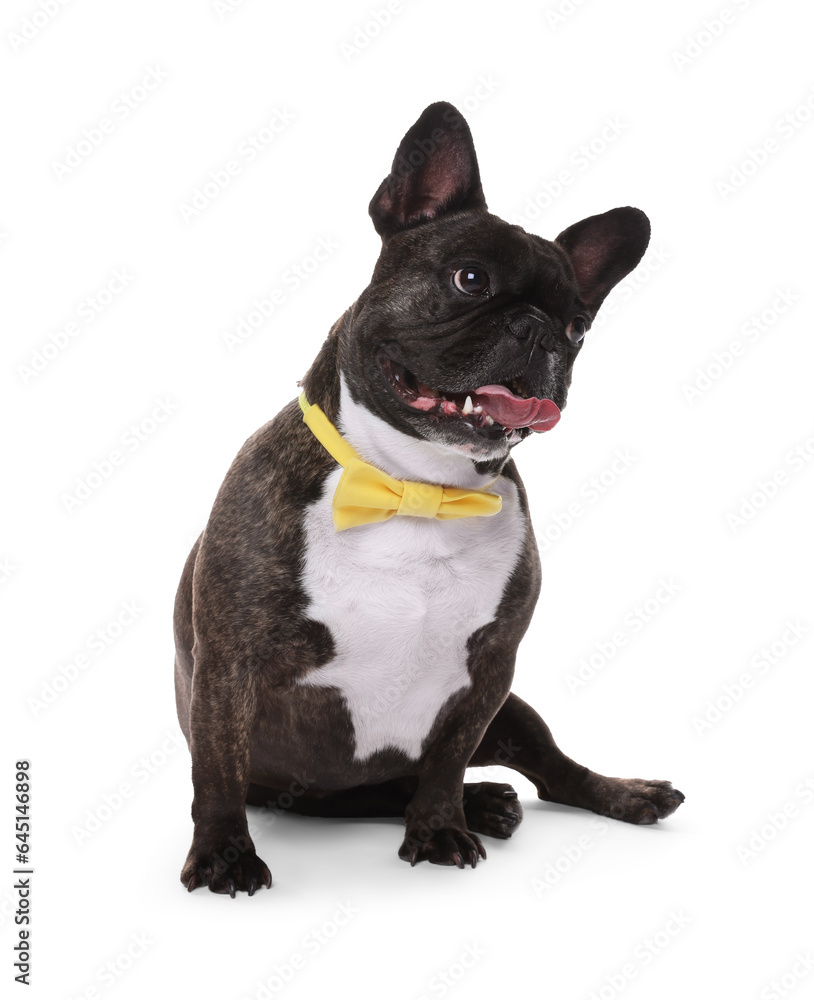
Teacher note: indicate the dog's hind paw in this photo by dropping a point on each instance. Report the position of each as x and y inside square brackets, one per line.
[492, 809]
[635, 800]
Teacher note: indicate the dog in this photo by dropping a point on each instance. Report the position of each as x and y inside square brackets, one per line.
[346, 625]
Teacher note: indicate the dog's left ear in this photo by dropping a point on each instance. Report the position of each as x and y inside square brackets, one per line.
[435, 171]
[603, 249]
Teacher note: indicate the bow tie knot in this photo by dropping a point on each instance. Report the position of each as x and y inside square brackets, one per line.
[421, 499]
[367, 495]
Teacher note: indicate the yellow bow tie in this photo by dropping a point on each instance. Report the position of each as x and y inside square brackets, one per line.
[365, 494]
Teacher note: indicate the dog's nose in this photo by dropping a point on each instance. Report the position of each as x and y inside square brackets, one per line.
[532, 329]
[524, 327]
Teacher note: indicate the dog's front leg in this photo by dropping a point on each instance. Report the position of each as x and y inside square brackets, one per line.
[436, 828]
[222, 855]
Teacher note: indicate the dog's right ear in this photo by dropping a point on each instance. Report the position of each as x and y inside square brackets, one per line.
[435, 171]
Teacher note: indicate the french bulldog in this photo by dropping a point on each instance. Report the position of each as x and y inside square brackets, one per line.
[347, 623]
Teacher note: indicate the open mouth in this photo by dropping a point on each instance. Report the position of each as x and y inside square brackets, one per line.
[490, 410]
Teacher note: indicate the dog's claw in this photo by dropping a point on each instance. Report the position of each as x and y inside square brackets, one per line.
[204, 868]
[448, 846]
[496, 811]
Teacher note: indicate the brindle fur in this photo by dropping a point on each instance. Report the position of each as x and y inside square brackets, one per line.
[243, 635]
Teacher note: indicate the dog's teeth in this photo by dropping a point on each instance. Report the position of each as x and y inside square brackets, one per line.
[477, 409]
[467, 407]
[488, 420]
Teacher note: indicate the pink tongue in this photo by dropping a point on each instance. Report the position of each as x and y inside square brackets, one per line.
[513, 411]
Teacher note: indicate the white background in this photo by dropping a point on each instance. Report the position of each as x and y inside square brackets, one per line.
[689, 101]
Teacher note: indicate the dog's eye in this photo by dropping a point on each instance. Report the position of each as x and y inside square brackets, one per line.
[576, 329]
[471, 280]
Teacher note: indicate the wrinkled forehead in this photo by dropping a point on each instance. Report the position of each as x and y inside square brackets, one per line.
[520, 257]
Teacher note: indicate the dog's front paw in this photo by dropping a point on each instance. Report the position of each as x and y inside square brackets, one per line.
[447, 846]
[223, 872]
[635, 800]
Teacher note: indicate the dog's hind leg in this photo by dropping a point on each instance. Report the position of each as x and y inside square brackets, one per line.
[518, 738]
[490, 808]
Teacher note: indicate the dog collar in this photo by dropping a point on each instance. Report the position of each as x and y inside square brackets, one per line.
[366, 495]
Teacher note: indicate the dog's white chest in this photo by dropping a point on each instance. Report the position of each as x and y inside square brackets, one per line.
[401, 599]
